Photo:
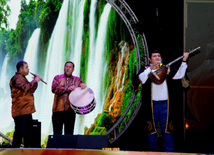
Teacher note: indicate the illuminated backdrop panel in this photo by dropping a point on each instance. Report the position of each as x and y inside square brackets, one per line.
[88, 32]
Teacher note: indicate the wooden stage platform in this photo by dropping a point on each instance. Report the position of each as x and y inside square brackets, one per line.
[6, 151]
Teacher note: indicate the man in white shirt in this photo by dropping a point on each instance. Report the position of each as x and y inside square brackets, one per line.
[156, 99]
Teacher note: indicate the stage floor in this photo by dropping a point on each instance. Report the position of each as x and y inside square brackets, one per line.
[4, 151]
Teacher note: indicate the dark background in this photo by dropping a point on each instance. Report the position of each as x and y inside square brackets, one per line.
[170, 27]
[162, 23]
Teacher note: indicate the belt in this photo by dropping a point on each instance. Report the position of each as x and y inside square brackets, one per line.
[160, 101]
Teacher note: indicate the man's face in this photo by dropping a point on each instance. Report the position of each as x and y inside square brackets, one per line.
[25, 69]
[155, 58]
[68, 69]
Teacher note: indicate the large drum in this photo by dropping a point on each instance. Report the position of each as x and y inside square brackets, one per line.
[82, 101]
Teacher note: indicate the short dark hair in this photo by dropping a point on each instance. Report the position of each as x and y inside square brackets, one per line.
[20, 64]
[153, 51]
[69, 62]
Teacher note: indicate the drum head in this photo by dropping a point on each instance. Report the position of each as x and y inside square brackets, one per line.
[81, 97]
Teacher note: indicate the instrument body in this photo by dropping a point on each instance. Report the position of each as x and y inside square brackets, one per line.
[159, 75]
[82, 101]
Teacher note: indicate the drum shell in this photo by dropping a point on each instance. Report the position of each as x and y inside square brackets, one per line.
[84, 109]
[82, 101]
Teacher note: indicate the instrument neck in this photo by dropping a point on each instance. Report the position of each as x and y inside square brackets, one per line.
[182, 57]
[172, 62]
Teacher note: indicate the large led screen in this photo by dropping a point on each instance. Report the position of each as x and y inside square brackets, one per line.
[48, 33]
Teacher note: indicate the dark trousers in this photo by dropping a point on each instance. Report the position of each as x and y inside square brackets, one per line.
[23, 128]
[160, 114]
[63, 117]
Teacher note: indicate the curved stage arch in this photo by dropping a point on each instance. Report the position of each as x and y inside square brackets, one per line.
[140, 44]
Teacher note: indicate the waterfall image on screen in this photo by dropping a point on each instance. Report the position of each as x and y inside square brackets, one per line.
[89, 33]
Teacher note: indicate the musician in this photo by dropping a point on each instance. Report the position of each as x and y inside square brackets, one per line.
[22, 103]
[157, 98]
[62, 113]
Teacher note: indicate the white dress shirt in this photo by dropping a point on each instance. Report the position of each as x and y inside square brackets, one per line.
[159, 92]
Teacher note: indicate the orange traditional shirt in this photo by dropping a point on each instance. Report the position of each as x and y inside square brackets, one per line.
[22, 95]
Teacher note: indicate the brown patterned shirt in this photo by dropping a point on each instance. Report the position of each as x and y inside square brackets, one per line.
[22, 95]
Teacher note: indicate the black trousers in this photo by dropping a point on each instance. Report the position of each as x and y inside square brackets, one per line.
[66, 118]
[23, 128]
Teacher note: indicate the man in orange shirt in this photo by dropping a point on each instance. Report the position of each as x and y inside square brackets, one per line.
[62, 113]
[22, 103]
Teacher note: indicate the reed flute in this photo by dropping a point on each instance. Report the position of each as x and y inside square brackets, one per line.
[41, 80]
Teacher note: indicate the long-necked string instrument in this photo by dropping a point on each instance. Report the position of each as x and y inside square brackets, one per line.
[158, 76]
[41, 80]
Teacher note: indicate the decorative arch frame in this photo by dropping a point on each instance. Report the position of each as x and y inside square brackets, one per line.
[141, 49]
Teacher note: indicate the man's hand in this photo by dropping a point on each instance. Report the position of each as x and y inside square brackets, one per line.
[70, 88]
[37, 78]
[83, 86]
[185, 56]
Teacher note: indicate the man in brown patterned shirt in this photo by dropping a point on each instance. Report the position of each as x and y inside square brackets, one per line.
[22, 103]
[62, 113]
